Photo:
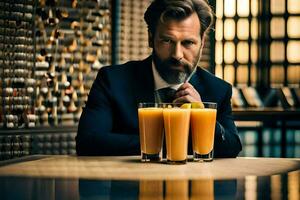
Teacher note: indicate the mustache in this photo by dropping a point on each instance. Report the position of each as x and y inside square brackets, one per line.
[176, 62]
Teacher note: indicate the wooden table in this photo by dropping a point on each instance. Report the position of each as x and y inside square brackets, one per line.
[73, 177]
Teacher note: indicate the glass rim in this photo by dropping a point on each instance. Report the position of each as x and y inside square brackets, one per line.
[142, 104]
[162, 103]
[207, 104]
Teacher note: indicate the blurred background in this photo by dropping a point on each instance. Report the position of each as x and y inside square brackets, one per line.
[51, 50]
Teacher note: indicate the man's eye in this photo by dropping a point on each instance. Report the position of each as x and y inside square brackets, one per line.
[187, 43]
[166, 41]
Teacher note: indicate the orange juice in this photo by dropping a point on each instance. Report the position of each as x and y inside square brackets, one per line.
[151, 189]
[202, 189]
[176, 122]
[203, 123]
[151, 129]
[177, 189]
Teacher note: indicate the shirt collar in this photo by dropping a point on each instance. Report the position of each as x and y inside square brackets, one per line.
[160, 83]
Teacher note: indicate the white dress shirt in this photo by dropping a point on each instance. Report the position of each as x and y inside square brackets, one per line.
[160, 83]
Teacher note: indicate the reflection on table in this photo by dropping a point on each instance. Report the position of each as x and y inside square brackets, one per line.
[72, 177]
[279, 186]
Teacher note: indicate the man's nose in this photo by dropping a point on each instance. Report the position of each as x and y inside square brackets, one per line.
[177, 52]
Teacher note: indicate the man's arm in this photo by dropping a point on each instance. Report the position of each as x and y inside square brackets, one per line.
[95, 136]
[227, 142]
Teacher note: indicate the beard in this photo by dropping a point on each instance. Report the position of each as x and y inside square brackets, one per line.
[173, 71]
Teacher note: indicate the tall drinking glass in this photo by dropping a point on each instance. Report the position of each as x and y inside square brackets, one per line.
[177, 123]
[151, 127]
[203, 122]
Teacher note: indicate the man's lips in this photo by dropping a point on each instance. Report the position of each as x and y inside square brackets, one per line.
[177, 67]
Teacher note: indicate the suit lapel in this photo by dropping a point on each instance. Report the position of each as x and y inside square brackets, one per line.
[144, 87]
[198, 84]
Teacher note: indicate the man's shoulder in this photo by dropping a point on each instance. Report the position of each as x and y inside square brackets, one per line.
[124, 73]
[119, 67]
[125, 67]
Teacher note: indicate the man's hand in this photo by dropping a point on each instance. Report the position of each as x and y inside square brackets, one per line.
[187, 93]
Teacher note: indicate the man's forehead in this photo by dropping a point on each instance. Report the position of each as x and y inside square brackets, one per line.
[188, 25]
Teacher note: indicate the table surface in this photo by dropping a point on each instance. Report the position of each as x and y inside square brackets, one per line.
[130, 168]
[72, 177]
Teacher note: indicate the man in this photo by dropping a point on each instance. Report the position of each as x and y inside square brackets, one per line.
[109, 122]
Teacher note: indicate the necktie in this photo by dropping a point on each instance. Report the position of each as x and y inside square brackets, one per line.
[166, 95]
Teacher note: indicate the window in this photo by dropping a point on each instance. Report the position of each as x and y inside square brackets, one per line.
[258, 42]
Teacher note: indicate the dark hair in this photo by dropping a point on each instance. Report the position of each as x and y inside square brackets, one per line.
[178, 9]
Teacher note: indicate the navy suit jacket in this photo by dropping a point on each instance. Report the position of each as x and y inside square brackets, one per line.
[109, 122]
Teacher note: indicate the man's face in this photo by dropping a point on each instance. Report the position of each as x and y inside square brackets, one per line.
[177, 48]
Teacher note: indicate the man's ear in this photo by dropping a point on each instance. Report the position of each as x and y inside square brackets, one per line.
[202, 45]
[150, 39]
[202, 41]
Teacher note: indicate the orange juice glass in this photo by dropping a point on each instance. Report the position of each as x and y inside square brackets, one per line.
[176, 123]
[202, 189]
[203, 122]
[151, 128]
